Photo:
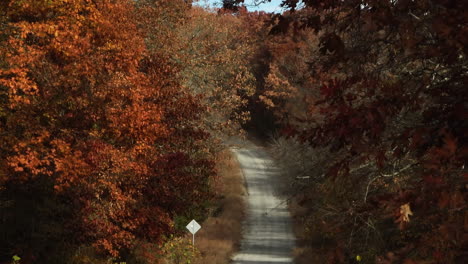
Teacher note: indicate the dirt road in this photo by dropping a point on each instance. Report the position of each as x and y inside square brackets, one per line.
[267, 234]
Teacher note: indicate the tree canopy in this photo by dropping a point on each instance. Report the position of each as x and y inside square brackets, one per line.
[111, 114]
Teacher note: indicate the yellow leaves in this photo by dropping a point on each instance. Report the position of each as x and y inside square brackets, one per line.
[404, 215]
[405, 211]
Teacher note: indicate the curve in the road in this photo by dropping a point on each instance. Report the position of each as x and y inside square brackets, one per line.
[267, 232]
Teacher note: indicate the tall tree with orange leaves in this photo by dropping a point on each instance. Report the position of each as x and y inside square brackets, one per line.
[95, 154]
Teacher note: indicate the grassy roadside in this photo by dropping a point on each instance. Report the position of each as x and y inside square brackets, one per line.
[220, 235]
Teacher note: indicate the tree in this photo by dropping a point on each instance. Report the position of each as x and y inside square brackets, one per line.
[232, 5]
[213, 55]
[91, 124]
[387, 99]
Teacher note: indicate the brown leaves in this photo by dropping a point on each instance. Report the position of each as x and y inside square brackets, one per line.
[438, 157]
[213, 52]
[278, 88]
[313, 22]
[370, 24]
[403, 216]
[400, 122]
[332, 43]
[389, 258]
[441, 28]
[454, 201]
[282, 26]
[450, 145]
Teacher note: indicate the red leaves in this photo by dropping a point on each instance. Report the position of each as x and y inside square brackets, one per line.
[450, 145]
[418, 138]
[380, 159]
[434, 180]
[288, 131]
[330, 89]
[438, 158]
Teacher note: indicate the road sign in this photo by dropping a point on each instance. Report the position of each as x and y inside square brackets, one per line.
[193, 227]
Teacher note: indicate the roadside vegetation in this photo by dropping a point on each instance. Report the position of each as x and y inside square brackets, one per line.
[110, 125]
[112, 114]
[222, 231]
[369, 103]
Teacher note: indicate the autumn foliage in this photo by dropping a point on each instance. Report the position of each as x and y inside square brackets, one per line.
[99, 144]
[380, 88]
[111, 111]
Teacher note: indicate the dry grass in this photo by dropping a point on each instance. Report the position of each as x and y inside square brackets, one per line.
[220, 235]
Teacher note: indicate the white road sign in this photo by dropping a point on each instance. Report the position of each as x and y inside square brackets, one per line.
[193, 227]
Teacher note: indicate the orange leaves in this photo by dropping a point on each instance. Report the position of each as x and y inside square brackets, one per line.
[30, 159]
[87, 119]
[278, 87]
[20, 87]
[29, 162]
[69, 164]
[102, 125]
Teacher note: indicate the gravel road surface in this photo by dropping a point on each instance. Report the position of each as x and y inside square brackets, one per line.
[267, 230]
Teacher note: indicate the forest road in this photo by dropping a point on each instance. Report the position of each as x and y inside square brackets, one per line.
[267, 230]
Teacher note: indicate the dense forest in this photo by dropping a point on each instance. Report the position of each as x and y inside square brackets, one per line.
[112, 114]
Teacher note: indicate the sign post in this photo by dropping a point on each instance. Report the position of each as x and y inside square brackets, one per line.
[193, 227]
